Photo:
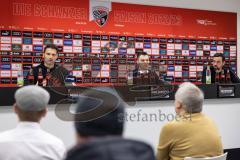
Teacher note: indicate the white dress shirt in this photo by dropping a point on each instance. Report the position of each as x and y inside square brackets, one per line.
[29, 142]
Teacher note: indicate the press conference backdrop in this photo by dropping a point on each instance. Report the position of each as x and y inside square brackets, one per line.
[98, 41]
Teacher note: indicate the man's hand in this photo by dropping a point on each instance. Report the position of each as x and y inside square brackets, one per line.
[44, 83]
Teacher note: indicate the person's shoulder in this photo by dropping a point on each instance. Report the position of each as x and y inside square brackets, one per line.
[178, 121]
[135, 70]
[208, 119]
[226, 69]
[170, 125]
[168, 129]
[49, 140]
[6, 135]
[48, 137]
[175, 127]
[116, 145]
[61, 68]
[52, 137]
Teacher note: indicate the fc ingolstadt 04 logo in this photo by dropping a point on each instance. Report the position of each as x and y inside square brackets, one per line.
[100, 15]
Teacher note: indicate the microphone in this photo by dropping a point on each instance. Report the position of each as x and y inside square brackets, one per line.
[30, 77]
[40, 77]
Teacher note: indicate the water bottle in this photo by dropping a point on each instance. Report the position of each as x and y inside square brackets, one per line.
[228, 77]
[208, 76]
[223, 80]
[31, 77]
[40, 77]
[20, 78]
[217, 75]
[130, 78]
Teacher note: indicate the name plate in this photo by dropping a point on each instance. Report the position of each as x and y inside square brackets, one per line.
[160, 92]
[225, 91]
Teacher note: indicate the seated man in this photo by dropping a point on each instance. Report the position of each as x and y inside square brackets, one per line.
[48, 73]
[143, 74]
[191, 134]
[219, 73]
[100, 137]
[28, 141]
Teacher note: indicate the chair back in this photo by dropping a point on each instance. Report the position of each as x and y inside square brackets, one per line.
[221, 157]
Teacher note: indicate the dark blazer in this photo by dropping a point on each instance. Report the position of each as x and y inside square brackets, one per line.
[233, 77]
[56, 75]
[146, 79]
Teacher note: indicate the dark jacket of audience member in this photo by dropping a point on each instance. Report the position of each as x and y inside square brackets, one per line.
[99, 123]
[112, 148]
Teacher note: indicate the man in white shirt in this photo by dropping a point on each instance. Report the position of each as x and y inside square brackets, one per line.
[28, 141]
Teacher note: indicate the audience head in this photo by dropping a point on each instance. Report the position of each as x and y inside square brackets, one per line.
[31, 103]
[188, 99]
[110, 123]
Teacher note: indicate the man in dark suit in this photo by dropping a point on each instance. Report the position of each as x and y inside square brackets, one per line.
[48, 73]
[143, 74]
[99, 127]
[220, 73]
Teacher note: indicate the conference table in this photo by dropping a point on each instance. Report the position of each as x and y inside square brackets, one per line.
[129, 93]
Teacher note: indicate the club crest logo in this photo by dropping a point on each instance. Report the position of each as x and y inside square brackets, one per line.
[100, 15]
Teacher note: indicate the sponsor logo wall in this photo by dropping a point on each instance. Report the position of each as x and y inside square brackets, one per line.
[101, 46]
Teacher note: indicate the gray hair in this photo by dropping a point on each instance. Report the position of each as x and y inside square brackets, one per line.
[191, 97]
